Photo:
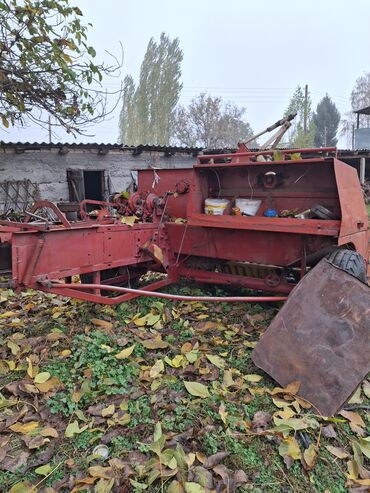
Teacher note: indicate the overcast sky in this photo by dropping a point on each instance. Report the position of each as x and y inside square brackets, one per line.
[253, 53]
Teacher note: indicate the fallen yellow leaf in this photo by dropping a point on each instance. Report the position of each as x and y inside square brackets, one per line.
[197, 389]
[100, 472]
[337, 451]
[22, 487]
[125, 353]
[8, 314]
[216, 360]
[24, 428]
[156, 369]
[353, 417]
[129, 220]
[42, 377]
[65, 353]
[49, 432]
[155, 344]
[289, 446]
[108, 411]
[176, 362]
[51, 384]
[102, 323]
[73, 429]
[253, 377]
[292, 388]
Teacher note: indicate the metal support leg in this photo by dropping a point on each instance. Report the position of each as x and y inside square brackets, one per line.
[362, 170]
[96, 280]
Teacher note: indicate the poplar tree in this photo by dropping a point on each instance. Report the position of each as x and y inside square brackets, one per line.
[128, 111]
[148, 110]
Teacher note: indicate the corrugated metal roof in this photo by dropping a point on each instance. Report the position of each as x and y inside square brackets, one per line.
[363, 111]
[147, 147]
[96, 145]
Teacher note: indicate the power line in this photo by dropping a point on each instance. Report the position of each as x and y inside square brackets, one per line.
[247, 100]
[242, 88]
[276, 91]
[250, 96]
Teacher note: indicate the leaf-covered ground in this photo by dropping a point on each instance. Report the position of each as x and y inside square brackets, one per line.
[171, 393]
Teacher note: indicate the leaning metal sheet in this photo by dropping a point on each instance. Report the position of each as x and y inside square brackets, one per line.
[321, 337]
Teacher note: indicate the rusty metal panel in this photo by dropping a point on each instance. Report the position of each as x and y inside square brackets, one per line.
[321, 337]
[264, 247]
[354, 224]
[64, 252]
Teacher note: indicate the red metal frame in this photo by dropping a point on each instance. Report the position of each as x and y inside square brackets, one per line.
[44, 255]
[248, 156]
[45, 204]
[103, 212]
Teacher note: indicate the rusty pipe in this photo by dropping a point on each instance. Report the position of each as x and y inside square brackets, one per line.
[178, 297]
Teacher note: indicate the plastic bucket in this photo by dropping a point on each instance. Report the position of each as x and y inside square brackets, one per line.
[248, 206]
[215, 207]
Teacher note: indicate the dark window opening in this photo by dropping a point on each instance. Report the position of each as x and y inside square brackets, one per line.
[94, 185]
[85, 184]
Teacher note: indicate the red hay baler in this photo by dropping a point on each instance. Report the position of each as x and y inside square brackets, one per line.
[309, 204]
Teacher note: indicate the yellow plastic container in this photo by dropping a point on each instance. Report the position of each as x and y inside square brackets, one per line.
[215, 207]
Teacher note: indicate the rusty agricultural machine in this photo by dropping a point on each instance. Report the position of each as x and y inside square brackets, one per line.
[257, 219]
[163, 227]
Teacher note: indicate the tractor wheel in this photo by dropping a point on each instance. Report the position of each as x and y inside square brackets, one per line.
[351, 262]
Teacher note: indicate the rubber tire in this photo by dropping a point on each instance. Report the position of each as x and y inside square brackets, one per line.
[351, 262]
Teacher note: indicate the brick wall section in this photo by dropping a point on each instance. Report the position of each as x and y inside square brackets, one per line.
[48, 168]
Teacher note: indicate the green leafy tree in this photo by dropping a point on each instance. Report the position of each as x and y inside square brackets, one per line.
[46, 65]
[297, 136]
[326, 119]
[208, 122]
[148, 110]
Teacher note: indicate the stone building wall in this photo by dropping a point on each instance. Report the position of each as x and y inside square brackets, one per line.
[46, 166]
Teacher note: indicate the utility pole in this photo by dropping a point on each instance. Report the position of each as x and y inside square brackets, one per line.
[305, 108]
[49, 124]
[325, 136]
